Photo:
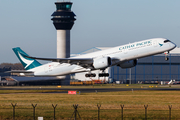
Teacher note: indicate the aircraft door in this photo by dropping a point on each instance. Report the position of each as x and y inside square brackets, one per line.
[48, 68]
[125, 51]
[155, 43]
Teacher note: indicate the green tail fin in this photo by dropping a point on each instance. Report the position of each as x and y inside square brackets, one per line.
[28, 63]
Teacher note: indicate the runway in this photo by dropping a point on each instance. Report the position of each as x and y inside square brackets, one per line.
[85, 90]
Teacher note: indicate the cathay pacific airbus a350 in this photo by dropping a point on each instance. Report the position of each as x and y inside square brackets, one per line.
[124, 56]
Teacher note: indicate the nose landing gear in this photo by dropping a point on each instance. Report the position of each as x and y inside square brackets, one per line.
[166, 58]
[166, 55]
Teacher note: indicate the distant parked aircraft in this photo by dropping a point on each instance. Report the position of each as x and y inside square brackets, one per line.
[171, 82]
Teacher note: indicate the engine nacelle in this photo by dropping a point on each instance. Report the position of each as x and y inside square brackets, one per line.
[102, 63]
[128, 64]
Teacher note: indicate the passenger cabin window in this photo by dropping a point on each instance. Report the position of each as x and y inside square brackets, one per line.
[167, 41]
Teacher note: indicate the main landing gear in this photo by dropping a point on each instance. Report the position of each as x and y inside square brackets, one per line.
[100, 74]
[90, 75]
[103, 74]
[166, 56]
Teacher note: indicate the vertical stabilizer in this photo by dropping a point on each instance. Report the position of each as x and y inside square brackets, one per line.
[28, 63]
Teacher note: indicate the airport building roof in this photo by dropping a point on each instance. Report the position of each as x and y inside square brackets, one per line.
[175, 51]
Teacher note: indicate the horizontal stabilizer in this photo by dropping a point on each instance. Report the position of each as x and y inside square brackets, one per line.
[19, 71]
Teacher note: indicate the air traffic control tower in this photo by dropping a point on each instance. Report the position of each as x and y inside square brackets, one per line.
[63, 20]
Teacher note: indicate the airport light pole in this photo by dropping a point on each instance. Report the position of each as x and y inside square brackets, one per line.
[129, 75]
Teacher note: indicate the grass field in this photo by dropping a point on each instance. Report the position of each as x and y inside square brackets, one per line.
[133, 102]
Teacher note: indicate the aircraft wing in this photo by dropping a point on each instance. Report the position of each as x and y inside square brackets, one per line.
[84, 62]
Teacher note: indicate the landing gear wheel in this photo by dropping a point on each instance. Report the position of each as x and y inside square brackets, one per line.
[103, 74]
[90, 75]
[166, 58]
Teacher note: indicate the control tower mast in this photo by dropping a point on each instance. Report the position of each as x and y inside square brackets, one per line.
[63, 20]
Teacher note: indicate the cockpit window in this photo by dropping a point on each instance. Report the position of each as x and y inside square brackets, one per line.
[167, 41]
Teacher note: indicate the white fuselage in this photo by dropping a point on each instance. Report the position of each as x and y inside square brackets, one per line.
[122, 53]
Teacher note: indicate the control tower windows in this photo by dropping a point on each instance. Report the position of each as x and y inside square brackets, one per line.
[61, 16]
[63, 6]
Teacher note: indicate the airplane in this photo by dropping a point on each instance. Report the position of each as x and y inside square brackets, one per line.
[124, 56]
[171, 82]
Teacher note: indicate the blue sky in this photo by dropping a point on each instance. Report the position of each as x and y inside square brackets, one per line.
[100, 23]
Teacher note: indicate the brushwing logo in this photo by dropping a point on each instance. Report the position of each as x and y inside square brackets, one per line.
[160, 44]
[27, 62]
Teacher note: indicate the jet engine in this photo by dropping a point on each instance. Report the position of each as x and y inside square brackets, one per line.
[102, 63]
[128, 64]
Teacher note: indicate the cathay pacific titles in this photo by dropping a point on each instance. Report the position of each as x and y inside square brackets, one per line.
[136, 45]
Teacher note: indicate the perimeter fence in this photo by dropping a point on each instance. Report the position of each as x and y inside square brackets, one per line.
[22, 111]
